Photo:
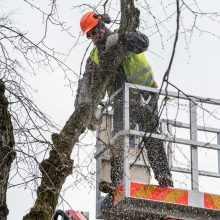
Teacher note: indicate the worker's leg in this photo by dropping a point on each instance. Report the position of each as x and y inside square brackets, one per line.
[117, 161]
[149, 121]
[157, 158]
[117, 165]
[116, 158]
[117, 147]
[117, 171]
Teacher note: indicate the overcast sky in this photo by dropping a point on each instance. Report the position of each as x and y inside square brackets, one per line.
[195, 71]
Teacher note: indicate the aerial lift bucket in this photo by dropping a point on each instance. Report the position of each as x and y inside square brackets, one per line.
[136, 198]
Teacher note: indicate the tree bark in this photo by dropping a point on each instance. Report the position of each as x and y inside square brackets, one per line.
[129, 16]
[7, 153]
[59, 165]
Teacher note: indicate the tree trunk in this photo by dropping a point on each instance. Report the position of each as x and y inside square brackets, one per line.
[7, 153]
[59, 165]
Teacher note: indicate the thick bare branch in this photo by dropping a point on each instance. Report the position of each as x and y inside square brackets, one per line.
[7, 153]
[59, 165]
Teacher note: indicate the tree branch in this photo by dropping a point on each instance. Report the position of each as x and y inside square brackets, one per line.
[7, 153]
[59, 164]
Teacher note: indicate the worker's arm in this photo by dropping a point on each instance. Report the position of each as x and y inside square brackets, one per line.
[135, 42]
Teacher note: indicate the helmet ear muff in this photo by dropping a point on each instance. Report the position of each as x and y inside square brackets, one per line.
[105, 18]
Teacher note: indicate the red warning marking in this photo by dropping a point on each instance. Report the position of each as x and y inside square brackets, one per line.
[212, 201]
[159, 193]
[184, 200]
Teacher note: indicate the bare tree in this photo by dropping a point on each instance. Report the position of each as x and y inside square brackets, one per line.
[55, 171]
[7, 153]
[32, 127]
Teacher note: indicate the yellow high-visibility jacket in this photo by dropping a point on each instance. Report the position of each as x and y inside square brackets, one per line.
[135, 66]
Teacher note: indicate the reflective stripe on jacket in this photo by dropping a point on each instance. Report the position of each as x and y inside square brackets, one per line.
[135, 66]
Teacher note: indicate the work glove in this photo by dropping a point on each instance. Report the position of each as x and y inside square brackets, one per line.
[135, 42]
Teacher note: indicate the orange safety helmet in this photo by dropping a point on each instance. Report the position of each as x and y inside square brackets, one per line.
[89, 21]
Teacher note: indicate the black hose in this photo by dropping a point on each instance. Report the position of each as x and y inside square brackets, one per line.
[62, 214]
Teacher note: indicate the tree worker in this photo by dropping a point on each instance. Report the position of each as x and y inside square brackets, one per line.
[143, 105]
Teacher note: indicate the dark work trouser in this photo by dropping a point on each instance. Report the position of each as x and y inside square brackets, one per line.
[147, 121]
